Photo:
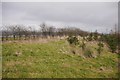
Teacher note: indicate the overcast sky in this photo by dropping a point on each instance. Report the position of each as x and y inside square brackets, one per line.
[85, 15]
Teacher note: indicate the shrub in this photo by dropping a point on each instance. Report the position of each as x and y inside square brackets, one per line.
[112, 42]
[95, 35]
[88, 53]
[73, 40]
[82, 45]
[100, 47]
[90, 37]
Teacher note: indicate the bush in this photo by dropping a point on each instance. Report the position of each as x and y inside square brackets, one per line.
[90, 38]
[88, 53]
[112, 41]
[73, 40]
[82, 45]
[95, 35]
[100, 47]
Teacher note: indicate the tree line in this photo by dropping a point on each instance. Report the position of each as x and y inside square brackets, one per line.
[20, 32]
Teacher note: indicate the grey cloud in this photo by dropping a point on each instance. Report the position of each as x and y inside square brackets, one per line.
[0, 14]
[98, 15]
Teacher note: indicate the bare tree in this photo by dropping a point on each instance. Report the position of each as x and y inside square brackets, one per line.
[51, 31]
[44, 29]
[13, 30]
[5, 33]
[19, 31]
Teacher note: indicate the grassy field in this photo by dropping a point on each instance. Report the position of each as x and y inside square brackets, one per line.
[53, 59]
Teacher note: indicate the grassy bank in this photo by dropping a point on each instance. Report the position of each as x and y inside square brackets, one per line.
[53, 59]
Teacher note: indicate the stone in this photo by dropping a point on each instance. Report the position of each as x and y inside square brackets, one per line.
[101, 68]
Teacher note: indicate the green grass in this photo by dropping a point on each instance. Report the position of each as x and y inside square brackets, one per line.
[0, 60]
[54, 60]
